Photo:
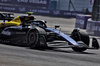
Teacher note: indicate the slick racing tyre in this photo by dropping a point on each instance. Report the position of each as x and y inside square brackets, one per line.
[32, 39]
[42, 42]
[36, 41]
[80, 36]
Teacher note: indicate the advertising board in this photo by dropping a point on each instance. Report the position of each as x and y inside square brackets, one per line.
[40, 11]
[32, 3]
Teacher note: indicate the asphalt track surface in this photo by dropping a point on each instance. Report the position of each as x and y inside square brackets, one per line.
[11, 55]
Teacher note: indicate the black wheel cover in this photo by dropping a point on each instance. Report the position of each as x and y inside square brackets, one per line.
[42, 42]
[80, 36]
[32, 39]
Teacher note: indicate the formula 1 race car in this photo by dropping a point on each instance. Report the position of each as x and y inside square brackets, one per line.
[36, 34]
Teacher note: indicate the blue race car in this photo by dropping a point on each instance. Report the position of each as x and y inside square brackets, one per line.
[36, 34]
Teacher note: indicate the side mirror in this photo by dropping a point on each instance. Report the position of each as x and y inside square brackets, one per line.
[45, 21]
[57, 26]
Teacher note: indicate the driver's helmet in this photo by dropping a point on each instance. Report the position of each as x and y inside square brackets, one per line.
[26, 18]
[29, 13]
[30, 17]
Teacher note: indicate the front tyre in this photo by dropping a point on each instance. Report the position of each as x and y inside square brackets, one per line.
[80, 36]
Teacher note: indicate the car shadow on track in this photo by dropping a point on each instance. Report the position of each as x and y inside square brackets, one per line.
[65, 51]
[52, 49]
[73, 52]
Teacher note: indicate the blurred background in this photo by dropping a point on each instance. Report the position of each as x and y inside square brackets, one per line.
[60, 8]
[72, 5]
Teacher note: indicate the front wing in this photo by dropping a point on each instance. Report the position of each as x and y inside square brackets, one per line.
[95, 44]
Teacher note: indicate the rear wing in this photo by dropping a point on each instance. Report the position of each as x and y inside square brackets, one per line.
[6, 16]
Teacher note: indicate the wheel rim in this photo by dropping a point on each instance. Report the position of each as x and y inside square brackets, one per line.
[31, 38]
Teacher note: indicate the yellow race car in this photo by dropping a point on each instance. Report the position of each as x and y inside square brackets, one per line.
[14, 21]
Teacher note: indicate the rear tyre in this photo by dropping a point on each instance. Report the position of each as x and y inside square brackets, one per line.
[32, 39]
[36, 41]
[80, 36]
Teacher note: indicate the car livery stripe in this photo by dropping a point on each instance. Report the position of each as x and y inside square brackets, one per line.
[66, 37]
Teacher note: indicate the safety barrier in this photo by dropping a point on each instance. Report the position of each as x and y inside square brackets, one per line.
[81, 21]
[93, 27]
